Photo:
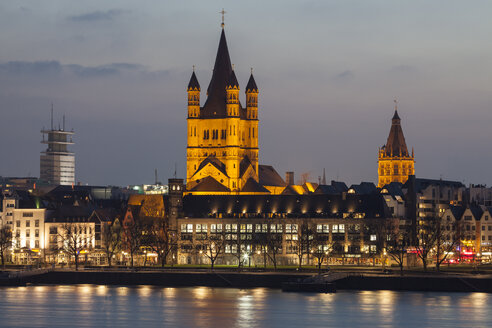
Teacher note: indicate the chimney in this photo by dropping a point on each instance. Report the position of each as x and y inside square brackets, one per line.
[289, 177]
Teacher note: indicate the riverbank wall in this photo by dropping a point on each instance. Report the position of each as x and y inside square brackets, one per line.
[169, 279]
[434, 283]
[438, 283]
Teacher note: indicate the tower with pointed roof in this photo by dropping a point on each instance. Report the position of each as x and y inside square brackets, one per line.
[222, 149]
[395, 163]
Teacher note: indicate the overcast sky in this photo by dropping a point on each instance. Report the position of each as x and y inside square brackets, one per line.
[327, 71]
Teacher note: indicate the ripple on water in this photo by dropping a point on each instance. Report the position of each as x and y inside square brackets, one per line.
[102, 306]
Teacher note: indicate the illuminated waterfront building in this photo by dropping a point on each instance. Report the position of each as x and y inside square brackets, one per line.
[395, 163]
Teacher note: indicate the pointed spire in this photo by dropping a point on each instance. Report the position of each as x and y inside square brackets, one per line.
[396, 145]
[193, 85]
[251, 86]
[215, 106]
[232, 81]
[395, 116]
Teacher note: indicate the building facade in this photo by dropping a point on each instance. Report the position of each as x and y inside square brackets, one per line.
[395, 163]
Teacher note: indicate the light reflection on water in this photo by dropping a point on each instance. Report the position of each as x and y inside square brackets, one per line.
[99, 306]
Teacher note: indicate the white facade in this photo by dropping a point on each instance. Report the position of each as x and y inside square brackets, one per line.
[57, 163]
[28, 228]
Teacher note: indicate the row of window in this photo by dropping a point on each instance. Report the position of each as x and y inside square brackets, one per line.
[28, 223]
[262, 228]
[28, 233]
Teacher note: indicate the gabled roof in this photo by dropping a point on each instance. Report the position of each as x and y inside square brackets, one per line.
[457, 211]
[476, 211]
[269, 176]
[211, 159]
[209, 184]
[193, 85]
[396, 145]
[251, 86]
[252, 186]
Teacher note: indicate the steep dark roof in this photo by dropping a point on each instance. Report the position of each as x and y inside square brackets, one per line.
[243, 166]
[252, 186]
[215, 106]
[394, 188]
[339, 186]
[232, 81]
[326, 190]
[421, 184]
[364, 188]
[269, 177]
[251, 86]
[396, 145]
[209, 184]
[193, 85]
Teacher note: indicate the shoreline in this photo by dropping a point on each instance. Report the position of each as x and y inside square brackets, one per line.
[274, 280]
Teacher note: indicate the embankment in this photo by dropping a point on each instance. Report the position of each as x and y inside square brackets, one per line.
[435, 283]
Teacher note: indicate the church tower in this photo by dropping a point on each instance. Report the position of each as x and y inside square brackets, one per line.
[222, 150]
[395, 163]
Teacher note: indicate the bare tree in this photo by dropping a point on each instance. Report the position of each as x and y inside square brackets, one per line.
[213, 247]
[74, 239]
[447, 239]
[112, 239]
[426, 240]
[397, 243]
[274, 242]
[132, 237]
[5, 242]
[321, 247]
[161, 241]
[301, 244]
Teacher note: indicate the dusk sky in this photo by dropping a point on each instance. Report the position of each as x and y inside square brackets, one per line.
[327, 72]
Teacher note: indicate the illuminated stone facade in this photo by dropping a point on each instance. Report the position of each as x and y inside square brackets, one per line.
[222, 148]
[395, 163]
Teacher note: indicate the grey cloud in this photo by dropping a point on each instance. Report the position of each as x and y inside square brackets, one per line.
[345, 75]
[37, 67]
[43, 68]
[103, 70]
[96, 16]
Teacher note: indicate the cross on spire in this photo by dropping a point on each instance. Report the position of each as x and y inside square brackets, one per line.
[396, 103]
[223, 12]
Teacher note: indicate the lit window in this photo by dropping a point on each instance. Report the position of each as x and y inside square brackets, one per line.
[373, 238]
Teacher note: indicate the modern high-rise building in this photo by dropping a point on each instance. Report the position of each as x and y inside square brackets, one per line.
[57, 163]
[395, 162]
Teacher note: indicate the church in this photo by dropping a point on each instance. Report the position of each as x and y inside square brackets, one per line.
[222, 147]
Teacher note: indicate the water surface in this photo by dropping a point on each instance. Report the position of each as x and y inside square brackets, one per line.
[103, 306]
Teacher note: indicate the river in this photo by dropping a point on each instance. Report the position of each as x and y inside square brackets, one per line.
[145, 306]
